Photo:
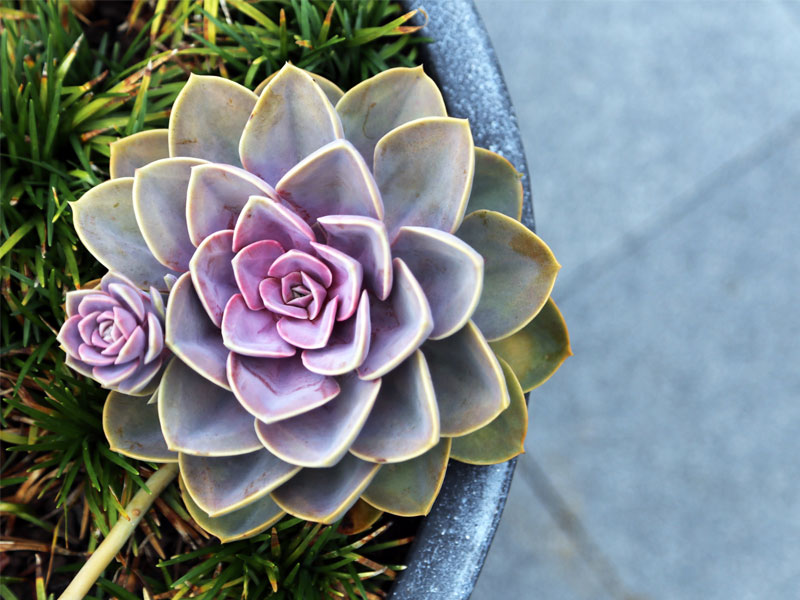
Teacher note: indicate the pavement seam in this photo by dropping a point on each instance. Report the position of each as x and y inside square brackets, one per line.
[570, 523]
[681, 208]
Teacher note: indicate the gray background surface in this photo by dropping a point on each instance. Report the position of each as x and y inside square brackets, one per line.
[663, 460]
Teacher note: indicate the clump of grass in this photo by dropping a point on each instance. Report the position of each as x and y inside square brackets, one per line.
[63, 99]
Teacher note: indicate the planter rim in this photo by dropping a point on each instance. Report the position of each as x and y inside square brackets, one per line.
[453, 540]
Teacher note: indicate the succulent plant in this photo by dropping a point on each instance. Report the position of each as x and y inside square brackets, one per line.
[333, 304]
[114, 334]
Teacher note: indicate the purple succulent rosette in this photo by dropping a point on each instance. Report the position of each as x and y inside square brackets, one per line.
[343, 261]
[114, 334]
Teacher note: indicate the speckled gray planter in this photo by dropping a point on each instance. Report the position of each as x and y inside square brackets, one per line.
[452, 542]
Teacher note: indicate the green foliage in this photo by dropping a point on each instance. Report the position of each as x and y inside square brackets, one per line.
[62, 101]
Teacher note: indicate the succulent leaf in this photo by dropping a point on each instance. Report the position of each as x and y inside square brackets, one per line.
[359, 518]
[334, 180]
[251, 266]
[537, 350]
[424, 171]
[137, 150]
[496, 186]
[503, 438]
[324, 495]
[273, 389]
[132, 428]
[243, 523]
[399, 324]
[454, 286]
[216, 195]
[468, 381]
[518, 275]
[212, 273]
[200, 418]
[365, 240]
[196, 126]
[320, 437]
[192, 336]
[404, 423]
[221, 485]
[106, 224]
[159, 200]
[332, 91]
[264, 219]
[347, 275]
[348, 345]
[253, 332]
[374, 107]
[291, 119]
[409, 488]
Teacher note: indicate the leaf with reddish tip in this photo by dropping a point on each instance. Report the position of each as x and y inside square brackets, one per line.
[106, 223]
[348, 345]
[404, 423]
[200, 418]
[320, 437]
[469, 383]
[212, 273]
[374, 107]
[241, 524]
[324, 495]
[132, 428]
[449, 271]
[399, 325]
[265, 219]
[252, 332]
[503, 438]
[364, 240]
[291, 119]
[334, 180]
[518, 274]
[272, 389]
[496, 185]
[159, 200]
[192, 336]
[220, 485]
[537, 350]
[197, 126]
[137, 150]
[424, 171]
[332, 91]
[216, 195]
[409, 488]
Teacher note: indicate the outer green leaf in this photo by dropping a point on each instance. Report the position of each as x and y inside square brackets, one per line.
[410, 488]
[324, 495]
[223, 484]
[496, 185]
[424, 172]
[537, 350]
[244, 523]
[105, 221]
[468, 381]
[331, 90]
[208, 118]
[503, 438]
[132, 428]
[137, 150]
[518, 276]
[376, 106]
